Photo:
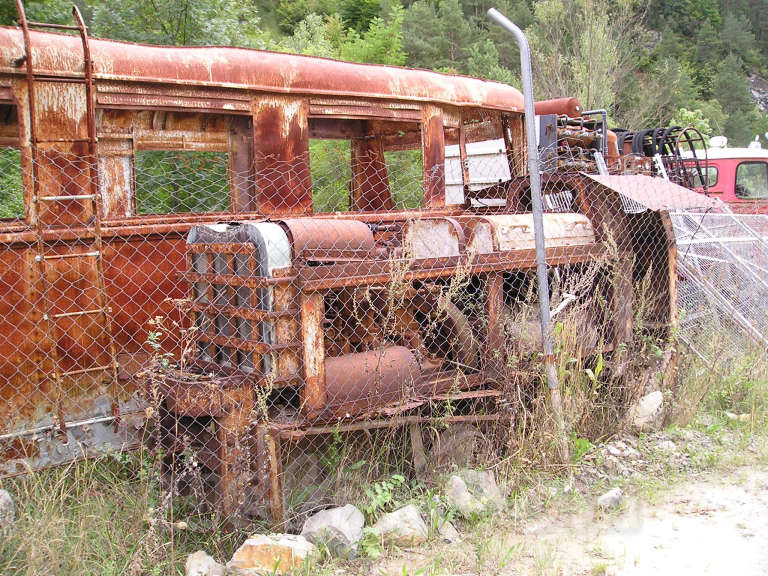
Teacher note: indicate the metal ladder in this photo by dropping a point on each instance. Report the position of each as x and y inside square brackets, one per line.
[50, 249]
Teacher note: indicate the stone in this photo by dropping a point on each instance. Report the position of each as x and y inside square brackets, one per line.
[473, 492]
[340, 529]
[647, 414]
[7, 512]
[447, 531]
[631, 453]
[201, 564]
[270, 554]
[615, 451]
[611, 499]
[404, 527]
[666, 446]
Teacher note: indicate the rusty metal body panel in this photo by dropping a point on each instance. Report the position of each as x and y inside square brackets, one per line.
[59, 55]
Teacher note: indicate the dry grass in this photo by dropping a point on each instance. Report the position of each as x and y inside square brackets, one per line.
[100, 517]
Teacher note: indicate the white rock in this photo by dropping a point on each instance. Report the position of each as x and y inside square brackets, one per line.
[647, 414]
[403, 527]
[201, 564]
[270, 554]
[448, 531]
[472, 492]
[458, 497]
[340, 529]
[615, 451]
[666, 446]
[631, 453]
[611, 499]
[7, 511]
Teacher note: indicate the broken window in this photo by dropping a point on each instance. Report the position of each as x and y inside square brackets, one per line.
[11, 189]
[492, 159]
[329, 162]
[365, 165]
[174, 181]
[404, 171]
[166, 162]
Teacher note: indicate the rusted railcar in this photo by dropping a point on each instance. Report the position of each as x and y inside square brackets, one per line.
[294, 321]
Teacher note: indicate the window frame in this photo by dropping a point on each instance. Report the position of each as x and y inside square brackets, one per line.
[736, 180]
[150, 140]
[384, 141]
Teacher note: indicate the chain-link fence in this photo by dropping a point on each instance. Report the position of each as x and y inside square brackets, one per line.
[382, 319]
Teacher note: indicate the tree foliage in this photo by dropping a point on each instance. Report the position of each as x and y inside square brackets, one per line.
[645, 62]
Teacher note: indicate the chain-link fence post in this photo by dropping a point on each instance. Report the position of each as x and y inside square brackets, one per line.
[538, 224]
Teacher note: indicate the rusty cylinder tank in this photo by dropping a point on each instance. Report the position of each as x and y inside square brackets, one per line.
[357, 383]
[571, 107]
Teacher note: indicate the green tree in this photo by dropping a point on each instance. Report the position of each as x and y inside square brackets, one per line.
[584, 48]
[312, 37]
[737, 38]
[179, 22]
[358, 14]
[731, 89]
[683, 16]
[484, 62]
[382, 43]
[438, 36]
[695, 118]
[52, 11]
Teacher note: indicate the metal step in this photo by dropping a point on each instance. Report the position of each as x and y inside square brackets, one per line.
[93, 254]
[87, 370]
[80, 313]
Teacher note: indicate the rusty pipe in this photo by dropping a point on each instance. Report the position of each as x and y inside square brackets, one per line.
[570, 107]
[538, 224]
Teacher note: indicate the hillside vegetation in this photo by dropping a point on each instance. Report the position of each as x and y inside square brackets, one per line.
[649, 63]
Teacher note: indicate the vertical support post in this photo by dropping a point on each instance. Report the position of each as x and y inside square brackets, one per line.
[433, 153]
[538, 224]
[369, 188]
[276, 507]
[494, 310]
[464, 161]
[233, 458]
[282, 177]
[313, 397]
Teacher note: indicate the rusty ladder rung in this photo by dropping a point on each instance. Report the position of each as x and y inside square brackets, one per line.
[79, 313]
[62, 198]
[52, 26]
[87, 370]
[94, 254]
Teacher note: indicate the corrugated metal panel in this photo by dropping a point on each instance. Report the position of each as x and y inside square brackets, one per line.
[655, 193]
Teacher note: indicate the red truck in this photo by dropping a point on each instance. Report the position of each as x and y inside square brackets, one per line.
[738, 176]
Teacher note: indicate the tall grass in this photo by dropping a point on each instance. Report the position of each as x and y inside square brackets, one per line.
[103, 516]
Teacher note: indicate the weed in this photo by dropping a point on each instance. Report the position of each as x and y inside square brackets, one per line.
[381, 495]
[579, 447]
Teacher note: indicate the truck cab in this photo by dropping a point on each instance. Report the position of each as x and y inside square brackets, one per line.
[737, 176]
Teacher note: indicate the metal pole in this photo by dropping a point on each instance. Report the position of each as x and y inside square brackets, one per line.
[538, 224]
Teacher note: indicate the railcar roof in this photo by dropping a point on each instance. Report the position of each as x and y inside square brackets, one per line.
[243, 68]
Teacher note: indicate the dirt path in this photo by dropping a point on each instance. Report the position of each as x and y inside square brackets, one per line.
[713, 523]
